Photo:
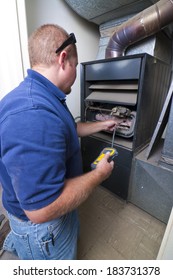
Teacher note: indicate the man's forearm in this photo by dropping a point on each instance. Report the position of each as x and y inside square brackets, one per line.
[88, 128]
[76, 191]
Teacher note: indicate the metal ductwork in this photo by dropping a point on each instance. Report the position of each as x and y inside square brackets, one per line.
[142, 25]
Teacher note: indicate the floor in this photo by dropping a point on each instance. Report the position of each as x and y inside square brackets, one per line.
[112, 229]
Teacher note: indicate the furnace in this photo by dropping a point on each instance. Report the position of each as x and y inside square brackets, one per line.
[131, 90]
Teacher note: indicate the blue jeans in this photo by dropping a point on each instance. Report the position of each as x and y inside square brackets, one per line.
[53, 240]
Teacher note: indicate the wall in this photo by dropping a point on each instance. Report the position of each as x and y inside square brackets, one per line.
[13, 47]
[57, 11]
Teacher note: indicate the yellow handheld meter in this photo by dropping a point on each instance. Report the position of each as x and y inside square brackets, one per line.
[113, 152]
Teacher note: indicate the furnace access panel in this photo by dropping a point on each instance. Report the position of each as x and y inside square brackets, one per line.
[131, 90]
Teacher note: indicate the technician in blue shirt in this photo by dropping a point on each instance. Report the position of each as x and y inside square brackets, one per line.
[41, 167]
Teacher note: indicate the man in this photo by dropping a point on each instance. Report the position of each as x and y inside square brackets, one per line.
[42, 175]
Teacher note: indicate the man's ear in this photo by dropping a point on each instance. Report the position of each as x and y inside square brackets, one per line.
[62, 58]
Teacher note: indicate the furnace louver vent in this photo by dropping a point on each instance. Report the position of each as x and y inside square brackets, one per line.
[119, 93]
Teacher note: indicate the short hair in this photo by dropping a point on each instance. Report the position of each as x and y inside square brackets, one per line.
[44, 41]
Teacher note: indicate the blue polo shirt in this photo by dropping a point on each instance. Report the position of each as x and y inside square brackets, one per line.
[39, 145]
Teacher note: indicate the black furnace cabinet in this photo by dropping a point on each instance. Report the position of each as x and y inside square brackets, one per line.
[136, 83]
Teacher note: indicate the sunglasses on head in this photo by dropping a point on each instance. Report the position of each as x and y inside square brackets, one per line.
[70, 40]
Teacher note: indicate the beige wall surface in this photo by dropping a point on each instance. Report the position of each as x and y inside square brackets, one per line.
[13, 48]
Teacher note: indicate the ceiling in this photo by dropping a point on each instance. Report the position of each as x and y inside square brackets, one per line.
[101, 11]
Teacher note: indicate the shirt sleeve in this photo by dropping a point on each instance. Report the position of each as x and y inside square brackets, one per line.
[34, 152]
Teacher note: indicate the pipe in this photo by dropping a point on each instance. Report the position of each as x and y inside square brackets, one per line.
[142, 25]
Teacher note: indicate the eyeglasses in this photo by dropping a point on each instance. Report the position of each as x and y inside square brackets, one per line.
[70, 40]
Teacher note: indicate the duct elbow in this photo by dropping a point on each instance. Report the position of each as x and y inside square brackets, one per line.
[114, 49]
[143, 25]
[110, 52]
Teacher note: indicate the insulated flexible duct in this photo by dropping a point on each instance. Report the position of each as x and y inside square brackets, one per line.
[142, 25]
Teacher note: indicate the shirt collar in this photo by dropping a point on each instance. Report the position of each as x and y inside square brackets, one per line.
[47, 83]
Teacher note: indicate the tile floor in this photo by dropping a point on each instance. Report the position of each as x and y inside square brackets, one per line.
[112, 229]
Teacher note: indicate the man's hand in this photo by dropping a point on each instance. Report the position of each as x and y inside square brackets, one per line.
[105, 167]
[109, 125]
